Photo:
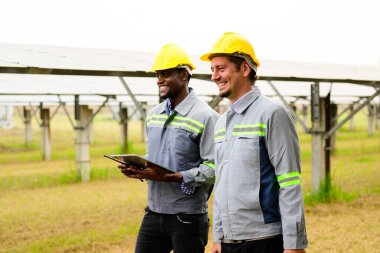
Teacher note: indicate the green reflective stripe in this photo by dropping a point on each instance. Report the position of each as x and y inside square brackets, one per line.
[156, 119]
[260, 133]
[261, 125]
[158, 116]
[188, 123]
[249, 129]
[209, 164]
[155, 122]
[289, 175]
[218, 138]
[289, 183]
[191, 120]
[183, 124]
[219, 134]
[222, 130]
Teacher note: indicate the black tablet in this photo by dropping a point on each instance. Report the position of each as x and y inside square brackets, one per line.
[137, 161]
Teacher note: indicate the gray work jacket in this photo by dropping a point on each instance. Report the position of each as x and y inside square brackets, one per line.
[258, 182]
[184, 143]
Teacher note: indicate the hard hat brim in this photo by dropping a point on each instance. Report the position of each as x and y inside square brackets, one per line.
[209, 56]
[206, 57]
[187, 67]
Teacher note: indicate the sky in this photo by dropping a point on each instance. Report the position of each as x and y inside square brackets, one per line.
[325, 31]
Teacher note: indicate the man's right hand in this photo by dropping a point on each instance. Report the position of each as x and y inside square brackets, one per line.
[216, 248]
[150, 173]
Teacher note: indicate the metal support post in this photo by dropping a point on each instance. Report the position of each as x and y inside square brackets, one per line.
[371, 119]
[46, 143]
[143, 135]
[327, 140]
[123, 115]
[76, 107]
[352, 119]
[333, 115]
[83, 143]
[28, 127]
[305, 114]
[318, 128]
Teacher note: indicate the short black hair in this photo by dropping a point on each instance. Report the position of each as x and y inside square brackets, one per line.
[188, 74]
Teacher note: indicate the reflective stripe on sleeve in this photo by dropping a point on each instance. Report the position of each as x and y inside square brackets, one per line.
[209, 164]
[289, 183]
[288, 179]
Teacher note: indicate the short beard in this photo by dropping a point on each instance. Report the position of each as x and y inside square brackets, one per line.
[164, 96]
[167, 95]
[225, 94]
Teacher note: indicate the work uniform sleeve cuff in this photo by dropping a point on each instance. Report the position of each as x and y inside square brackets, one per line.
[295, 242]
[188, 179]
[187, 176]
[217, 236]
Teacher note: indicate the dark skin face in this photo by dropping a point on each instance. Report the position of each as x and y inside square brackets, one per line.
[173, 84]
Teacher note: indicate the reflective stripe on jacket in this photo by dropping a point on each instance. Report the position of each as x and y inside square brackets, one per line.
[258, 182]
[182, 142]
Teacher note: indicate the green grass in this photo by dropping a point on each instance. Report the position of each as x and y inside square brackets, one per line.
[44, 207]
[55, 179]
[328, 192]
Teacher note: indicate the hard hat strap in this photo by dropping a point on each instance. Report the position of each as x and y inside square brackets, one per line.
[185, 67]
[248, 59]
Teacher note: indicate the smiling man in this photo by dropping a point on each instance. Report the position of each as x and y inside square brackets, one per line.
[180, 137]
[258, 206]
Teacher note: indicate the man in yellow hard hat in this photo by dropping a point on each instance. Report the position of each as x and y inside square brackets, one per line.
[179, 137]
[258, 205]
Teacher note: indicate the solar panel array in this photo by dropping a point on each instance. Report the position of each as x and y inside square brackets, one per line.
[34, 88]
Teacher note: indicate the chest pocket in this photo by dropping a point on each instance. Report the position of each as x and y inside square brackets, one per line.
[219, 151]
[186, 148]
[247, 148]
[186, 141]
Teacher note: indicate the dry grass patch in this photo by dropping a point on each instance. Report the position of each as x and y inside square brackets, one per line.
[40, 212]
[345, 227]
[70, 217]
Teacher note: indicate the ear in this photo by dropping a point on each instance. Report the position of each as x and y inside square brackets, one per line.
[184, 75]
[246, 69]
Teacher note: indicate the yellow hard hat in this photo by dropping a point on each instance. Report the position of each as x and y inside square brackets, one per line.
[172, 56]
[234, 44]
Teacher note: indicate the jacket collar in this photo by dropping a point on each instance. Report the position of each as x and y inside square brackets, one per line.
[246, 100]
[183, 107]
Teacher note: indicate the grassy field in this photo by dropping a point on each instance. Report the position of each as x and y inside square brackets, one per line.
[45, 208]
